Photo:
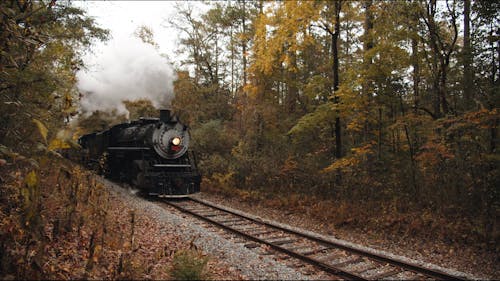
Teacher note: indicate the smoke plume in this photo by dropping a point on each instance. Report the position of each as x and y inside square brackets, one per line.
[126, 69]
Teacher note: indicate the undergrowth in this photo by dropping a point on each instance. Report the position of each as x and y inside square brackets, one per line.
[189, 265]
[395, 218]
[57, 221]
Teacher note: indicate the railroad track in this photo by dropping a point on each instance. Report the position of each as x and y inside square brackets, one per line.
[335, 258]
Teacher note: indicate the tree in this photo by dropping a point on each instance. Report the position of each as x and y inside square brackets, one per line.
[99, 121]
[146, 35]
[486, 45]
[442, 42]
[467, 57]
[333, 10]
[140, 108]
[370, 90]
[41, 47]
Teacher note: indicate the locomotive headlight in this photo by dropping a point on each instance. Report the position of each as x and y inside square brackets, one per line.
[176, 141]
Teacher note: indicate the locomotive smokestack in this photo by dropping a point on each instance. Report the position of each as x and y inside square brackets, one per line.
[164, 115]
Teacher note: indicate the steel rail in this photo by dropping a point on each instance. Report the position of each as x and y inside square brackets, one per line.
[429, 272]
[324, 266]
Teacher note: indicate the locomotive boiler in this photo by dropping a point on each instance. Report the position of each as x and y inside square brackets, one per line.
[150, 153]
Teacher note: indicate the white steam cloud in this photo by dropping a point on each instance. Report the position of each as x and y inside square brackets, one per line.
[127, 69]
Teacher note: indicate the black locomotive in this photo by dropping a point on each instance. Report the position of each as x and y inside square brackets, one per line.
[151, 153]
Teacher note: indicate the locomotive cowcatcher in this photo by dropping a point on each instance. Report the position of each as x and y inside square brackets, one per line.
[150, 153]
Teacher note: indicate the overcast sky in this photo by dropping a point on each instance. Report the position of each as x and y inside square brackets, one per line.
[123, 17]
[126, 68]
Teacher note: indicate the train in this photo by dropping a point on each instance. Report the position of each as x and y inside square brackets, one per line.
[152, 154]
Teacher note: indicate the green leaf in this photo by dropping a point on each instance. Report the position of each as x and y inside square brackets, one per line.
[311, 122]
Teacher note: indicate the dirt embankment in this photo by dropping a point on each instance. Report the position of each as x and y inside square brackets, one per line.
[58, 222]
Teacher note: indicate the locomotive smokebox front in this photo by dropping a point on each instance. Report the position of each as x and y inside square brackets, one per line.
[170, 138]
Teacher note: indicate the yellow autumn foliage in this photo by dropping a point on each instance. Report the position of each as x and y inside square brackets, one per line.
[42, 129]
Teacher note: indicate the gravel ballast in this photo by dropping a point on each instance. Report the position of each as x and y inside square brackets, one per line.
[457, 259]
[248, 263]
[349, 244]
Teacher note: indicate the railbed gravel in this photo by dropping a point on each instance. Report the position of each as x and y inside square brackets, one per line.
[250, 264]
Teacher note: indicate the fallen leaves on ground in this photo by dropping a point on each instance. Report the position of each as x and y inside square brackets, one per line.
[80, 230]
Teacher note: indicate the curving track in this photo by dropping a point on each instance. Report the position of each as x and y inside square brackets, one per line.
[335, 258]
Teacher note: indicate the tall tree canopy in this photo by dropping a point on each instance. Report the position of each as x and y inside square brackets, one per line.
[360, 100]
[41, 44]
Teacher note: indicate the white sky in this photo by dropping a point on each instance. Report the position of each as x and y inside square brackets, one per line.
[123, 17]
[125, 68]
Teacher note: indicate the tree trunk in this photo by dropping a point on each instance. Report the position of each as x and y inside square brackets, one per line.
[467, 59]
[495, 84]
[244, 44]
[367, 45]
[232, 61]
[442, 89]
[416, 74]
[379, 141]
[293, 91]
[335, 70]
[441, 54]
[436, 54]
[411, 154]
[368, 26]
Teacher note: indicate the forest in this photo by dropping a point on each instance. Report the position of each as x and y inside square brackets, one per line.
[365, 112]
[389, 105]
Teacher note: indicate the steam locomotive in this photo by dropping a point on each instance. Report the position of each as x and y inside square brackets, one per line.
[150, 153]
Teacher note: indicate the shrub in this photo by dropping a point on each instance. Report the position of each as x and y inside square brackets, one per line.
[189, 265]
